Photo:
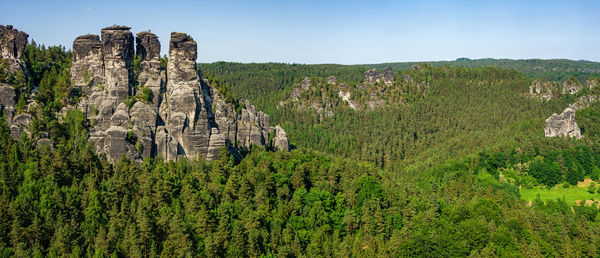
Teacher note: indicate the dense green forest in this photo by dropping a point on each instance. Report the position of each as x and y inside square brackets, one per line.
[444, 112]
[438, 174]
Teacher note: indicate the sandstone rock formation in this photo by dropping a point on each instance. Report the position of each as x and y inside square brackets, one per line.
[372, 76]
[388, 75]
[562, 125]
[571, 87]
[12, 46]
[178, 120]
[542, 89]
[8, 100]
[331, 80]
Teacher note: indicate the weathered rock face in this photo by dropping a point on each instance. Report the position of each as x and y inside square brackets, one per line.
[562, 125]
[8, 100]
[117, 51]
[331, 80]
[372, 76]
[149, 73]
[571, 87]
[12, 46]
[388, 75]
[542, 89]
[179, 121]
[186, 116]
[12, 42]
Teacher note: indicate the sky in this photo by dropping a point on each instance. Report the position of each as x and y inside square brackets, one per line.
[344, 32]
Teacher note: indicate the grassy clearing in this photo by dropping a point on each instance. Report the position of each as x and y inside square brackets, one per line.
[570, 194]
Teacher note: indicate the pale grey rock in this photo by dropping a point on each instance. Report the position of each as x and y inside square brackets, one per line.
[186, 113]
[583, 102]
[571, 87]
[542, 89]
[12, 42]
[216, 143]
[12, 46]
[388, 75]
[149, 74]
[117, 51]
[20, 124]
[306, 83]
[331, 80]
[345, 95]
[280, 141]
[562, 125]
[166, 146]
[591, 83]
[8, 100]
[179, 121]
[116, 145]
[373, 76]
[144, 120]
[45, 142]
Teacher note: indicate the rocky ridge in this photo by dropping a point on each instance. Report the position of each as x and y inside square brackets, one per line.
[563, 124]
[323, 95]
[147, 111]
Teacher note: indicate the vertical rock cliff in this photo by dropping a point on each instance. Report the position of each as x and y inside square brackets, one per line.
[177, 118]
[12, 46]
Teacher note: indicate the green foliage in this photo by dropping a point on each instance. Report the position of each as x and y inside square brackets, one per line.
[146, 94]
[129, 101]
[444, 112]
[552, 69]
[131, 137]
[436, 174]
[135, 66]
[588, 120]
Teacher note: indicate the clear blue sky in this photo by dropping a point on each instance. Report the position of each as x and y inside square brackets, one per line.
[347, 32]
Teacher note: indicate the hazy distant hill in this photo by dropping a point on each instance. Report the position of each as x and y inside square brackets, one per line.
[551, 69]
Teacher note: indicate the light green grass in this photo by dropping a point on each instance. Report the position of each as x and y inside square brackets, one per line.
[570, 195]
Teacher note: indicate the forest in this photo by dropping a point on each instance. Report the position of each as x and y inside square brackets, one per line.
[437, 174]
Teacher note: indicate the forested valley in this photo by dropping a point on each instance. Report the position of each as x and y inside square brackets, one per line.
[438, 170]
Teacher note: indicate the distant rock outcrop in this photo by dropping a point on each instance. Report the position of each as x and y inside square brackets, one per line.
[571, 87]
[543, 89]
[177, 119]
[372, 76]
[563, 125]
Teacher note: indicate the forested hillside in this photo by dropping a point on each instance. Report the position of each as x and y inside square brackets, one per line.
[439, 171]
[443, 112]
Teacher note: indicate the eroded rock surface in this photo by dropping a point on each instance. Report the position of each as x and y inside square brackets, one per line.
[372, 76]
[12, 46]
[177, 120]
[562, 125]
